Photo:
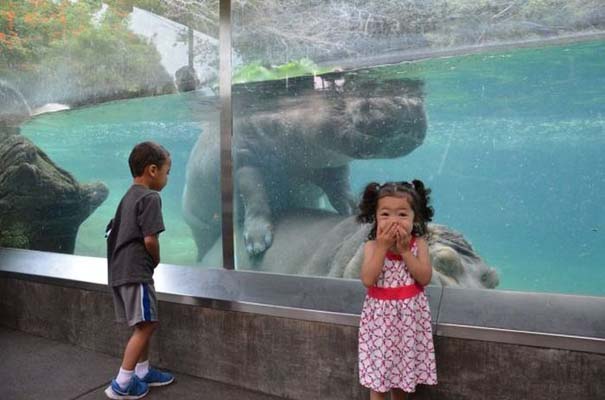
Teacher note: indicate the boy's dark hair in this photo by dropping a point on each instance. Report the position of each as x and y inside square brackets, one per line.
[414, 191]
[144, 154]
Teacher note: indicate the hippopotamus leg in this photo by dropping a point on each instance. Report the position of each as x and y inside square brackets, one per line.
[202, 192]
[204, 228]
[335, 184]
[258, 230]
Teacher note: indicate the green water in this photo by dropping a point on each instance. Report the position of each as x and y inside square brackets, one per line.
[514, 155]
[94, 143]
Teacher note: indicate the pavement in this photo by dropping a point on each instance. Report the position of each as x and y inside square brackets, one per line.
[37, 368]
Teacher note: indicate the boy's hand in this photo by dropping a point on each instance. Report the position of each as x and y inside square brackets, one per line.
[386, 234]
[152, 245]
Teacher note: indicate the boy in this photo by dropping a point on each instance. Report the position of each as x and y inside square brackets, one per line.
[133, 251]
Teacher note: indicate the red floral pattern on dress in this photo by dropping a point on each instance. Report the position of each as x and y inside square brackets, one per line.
[395, 336]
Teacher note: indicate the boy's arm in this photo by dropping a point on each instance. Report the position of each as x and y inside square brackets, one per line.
[152, 244]
[152, 224]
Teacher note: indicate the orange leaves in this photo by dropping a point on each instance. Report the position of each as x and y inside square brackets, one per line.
[9, 16]
[29, 18]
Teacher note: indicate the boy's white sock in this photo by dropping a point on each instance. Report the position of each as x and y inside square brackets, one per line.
[124, 378]
[142, 369]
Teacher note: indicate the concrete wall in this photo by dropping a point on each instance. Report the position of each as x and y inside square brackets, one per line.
[292, 358]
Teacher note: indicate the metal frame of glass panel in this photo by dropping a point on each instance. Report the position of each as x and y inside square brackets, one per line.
[226, 132]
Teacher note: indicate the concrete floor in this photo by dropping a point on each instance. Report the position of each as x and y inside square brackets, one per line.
[36, 368]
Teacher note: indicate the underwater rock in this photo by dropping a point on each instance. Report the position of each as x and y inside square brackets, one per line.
[41, 205]
[185, 79]
[322, 243]
[294, 134]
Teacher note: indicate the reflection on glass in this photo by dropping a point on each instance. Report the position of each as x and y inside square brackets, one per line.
[511, 149]
[85, 59]
[355, 33]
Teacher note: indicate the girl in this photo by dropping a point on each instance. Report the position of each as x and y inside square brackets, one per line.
[395, 339]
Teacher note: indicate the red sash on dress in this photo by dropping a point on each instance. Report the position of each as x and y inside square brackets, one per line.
[395, 293]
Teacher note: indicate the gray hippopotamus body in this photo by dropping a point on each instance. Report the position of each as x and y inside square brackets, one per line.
[293, 141]
[322, 243]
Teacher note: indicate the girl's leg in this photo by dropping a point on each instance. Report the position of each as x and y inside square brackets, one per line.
[398, 394]
[377, 395]
[138, 344]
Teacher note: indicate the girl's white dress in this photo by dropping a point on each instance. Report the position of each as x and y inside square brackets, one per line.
[395, 336]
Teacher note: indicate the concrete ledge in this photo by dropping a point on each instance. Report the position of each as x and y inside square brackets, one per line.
[534, 319]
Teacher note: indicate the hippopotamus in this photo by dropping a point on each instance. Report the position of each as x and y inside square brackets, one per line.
[323, 243]
[292, 144]
[42, 205]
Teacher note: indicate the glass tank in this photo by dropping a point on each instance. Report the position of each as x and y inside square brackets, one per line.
[496, 106]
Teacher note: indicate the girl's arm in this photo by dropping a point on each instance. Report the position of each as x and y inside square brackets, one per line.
[373, 260]
[152, 244]
[420, 265]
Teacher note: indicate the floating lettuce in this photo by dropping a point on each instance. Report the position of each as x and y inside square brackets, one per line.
[255, 71]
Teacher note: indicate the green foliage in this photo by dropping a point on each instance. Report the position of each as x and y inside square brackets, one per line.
[63, 51]
[255, 71]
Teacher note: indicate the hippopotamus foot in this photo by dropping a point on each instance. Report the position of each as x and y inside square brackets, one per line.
[344, 205]
[258, 230]
[258, 235]
[335, 184]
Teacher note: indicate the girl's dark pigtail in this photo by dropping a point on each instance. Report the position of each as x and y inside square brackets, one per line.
[426, 211]
[367, 206]
[425, 199]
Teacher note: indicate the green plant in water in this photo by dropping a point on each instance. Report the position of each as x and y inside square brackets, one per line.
[255, 71]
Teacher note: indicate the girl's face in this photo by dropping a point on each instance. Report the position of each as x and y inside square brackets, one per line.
[395, 209]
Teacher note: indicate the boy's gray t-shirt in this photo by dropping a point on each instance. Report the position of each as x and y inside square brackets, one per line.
[138, 215]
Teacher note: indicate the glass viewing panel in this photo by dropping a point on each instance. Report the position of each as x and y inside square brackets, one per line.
[83, 82]
[507, 131]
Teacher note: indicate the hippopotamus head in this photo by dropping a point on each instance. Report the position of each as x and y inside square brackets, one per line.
[345, 115]
[455, 262]
[383, 119]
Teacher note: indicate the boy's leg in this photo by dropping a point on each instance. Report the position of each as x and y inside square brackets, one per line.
[149, 375]
[142, 367]
[138, 345]
[136, 305]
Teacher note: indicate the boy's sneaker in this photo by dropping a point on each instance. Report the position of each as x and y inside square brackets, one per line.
[135, 390]
[157, 378]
